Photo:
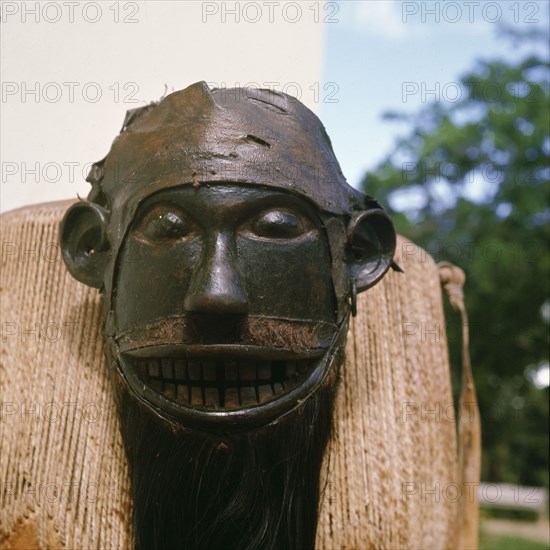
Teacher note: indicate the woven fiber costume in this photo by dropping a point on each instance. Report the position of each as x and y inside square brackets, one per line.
[230, 251]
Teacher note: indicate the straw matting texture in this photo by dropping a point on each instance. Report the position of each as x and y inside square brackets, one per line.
[392, 464]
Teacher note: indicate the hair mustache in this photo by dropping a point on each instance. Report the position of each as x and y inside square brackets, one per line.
[286, 334]
[293, 335]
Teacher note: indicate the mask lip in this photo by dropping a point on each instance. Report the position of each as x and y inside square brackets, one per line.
[221, 351]
[245, 418]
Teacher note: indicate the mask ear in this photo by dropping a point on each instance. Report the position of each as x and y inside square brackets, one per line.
[84, 244]
[370, 247]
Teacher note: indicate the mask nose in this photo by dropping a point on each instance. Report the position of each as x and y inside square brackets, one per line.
[216, 287]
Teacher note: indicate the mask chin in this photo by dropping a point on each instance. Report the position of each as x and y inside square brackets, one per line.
[226, 388]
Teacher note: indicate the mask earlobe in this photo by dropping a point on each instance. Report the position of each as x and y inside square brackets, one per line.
[370, 247]
[84, 245]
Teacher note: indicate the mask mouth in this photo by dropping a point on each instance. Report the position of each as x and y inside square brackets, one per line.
[218, 384]
[225, 387]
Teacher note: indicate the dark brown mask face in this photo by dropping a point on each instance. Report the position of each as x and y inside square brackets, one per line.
[229, 249]
[224, 305]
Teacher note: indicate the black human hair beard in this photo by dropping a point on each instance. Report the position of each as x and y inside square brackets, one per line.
[251, 490]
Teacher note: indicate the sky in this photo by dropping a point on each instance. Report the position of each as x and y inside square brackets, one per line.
[398, 55]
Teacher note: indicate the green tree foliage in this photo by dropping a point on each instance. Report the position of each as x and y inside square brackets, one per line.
[470, 184]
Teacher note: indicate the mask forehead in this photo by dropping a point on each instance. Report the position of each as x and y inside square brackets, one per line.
[250, 136]
[246, 135]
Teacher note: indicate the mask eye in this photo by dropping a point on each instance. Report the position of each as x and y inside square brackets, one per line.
[279, 224]
[166, 223]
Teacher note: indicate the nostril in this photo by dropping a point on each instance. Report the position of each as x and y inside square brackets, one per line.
[216, 328]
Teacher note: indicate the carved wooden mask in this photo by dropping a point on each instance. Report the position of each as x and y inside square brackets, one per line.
[229, 249]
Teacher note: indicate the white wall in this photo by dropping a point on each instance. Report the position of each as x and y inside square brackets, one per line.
[67, 80]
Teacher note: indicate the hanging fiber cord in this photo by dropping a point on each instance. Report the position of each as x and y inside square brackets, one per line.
[469, 427]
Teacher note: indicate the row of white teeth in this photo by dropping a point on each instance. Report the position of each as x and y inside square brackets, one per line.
[230, 372]
[220, 384]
